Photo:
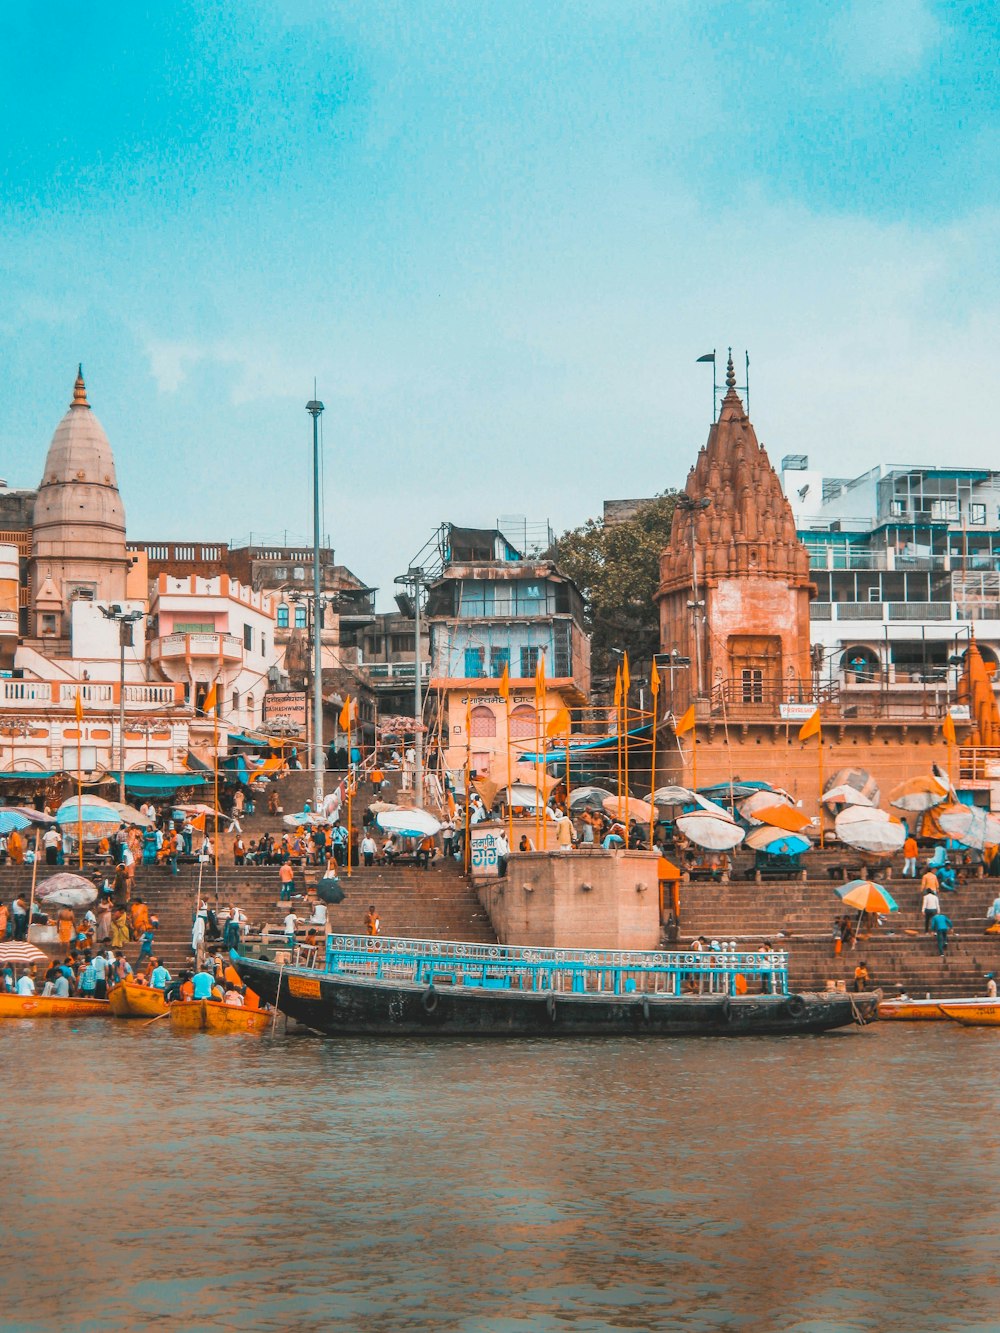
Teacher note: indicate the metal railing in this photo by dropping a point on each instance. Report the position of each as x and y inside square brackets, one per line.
[611, 971]
[978, 763]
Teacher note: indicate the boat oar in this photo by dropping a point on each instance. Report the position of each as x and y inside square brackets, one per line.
[165, 1014]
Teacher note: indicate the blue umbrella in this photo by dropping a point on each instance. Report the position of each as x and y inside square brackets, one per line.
[776, 842]
[91, 810]
[12, 819]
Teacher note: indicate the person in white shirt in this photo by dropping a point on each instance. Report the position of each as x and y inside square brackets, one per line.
[991, 985]
[930, 906]
[290, 922]
[26, 984]
[368, 849]
[52, 842]
[319, 914]
[233, 997]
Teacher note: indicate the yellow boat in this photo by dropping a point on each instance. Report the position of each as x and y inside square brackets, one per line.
[51, 1006]
[911, 1011]
[130, 1000]
[974, 1013]
[214, 1016]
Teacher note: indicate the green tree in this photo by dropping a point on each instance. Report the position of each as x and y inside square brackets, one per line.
[616, 566]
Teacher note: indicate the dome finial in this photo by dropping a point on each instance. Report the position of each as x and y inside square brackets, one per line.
[80, 390]
[730, 372]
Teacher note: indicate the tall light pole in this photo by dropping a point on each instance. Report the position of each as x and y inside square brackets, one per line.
[315, 409]
[414, 577]
[126, 620]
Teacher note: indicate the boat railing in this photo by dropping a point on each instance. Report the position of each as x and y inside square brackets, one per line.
[611, 971]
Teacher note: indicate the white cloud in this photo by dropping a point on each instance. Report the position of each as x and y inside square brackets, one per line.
[884, 38]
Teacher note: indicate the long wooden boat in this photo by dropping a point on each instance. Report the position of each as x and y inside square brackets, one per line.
[911, 1011]
[386, 987]
[214, 1016]
[52, 1006]
[973, 1013]
[130, 1000]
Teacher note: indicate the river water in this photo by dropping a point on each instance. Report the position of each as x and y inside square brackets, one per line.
[157, 1179]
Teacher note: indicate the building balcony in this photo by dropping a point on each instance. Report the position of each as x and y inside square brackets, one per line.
[399, 671]
[218, 647]
[33, 696]
[738, 701]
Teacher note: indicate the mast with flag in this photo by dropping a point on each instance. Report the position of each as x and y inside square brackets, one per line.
[346, 717]
[505, 696]
[813, 726]
[211, 704]
[541, 831]
[78, 713]
[618, 733]
[710, 356]
[626, 684]
[682, 725]
[654, 690]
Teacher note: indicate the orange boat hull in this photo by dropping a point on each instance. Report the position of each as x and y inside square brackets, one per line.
[51, 1006]
[981, 1014]
[214, 1016]
[911, 1011]
[127, 1000]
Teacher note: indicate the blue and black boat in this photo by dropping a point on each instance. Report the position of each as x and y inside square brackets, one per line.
[379, 986]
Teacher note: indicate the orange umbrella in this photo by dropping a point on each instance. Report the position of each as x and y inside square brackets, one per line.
[783, 816]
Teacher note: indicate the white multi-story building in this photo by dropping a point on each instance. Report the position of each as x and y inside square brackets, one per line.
[906, 563]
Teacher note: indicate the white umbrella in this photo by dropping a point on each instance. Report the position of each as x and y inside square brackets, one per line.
[919, 794]
[408, 823]
[130, 815]
[672, 795]
[522, 795]
[711, 832]
[719, 811]
[970, 825]
[763, 800]
[66, 890]
[844, 794]
[588, 798]
[20, 953]
[632, 808]
[870, 830]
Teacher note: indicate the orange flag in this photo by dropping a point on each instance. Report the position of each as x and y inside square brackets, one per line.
[78, 707]
[654, 681]
[626, 674]
[685, 722]
[346, 713]
[811, 727]
[211, 699]
[618, 688]
[560, 724]
[540, 678]
[948, 728]
[505, 682]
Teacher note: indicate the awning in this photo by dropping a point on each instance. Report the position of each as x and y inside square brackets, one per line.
[29, 774]
[558, 751]
[239, 738]
[198, 765]
[161, 784]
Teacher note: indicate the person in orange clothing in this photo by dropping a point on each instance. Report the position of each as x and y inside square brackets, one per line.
[372, 923]
[15, 848]
[910, 857]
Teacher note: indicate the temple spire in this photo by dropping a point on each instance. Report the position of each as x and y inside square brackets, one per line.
[730, 372]
[80, 389]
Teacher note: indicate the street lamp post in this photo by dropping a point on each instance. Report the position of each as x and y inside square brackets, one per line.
[126, 621]
[315, 409]
[414, 577]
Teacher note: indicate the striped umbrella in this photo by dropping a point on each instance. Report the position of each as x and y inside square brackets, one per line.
[11, 819]
[17, 951]
[866, 896]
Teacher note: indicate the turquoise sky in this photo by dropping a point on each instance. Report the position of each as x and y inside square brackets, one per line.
[498, 236]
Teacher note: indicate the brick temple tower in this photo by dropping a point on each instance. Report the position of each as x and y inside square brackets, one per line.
[734, 580]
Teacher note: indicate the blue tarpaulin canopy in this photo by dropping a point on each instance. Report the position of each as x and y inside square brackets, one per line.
[557, 751]
[161, 784]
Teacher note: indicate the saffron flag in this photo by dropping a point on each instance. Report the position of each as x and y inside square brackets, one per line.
[540, 678]
[626, 674]
[560, 724]
[811, 727]
[505, 683]
[618, 688]
[654, 681]
[685, 722]
[346, 713]
[211, 699]
[948, 728]
[78, 707]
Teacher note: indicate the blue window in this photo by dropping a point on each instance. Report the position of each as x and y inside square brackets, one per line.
[300, 617]
[473, 663]
[283, 616]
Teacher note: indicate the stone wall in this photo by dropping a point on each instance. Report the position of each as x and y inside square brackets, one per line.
[576, 900]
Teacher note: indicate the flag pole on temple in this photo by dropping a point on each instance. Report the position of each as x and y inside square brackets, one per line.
[814, 727]
[540, 828]
[468, 777]
[654, 689]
